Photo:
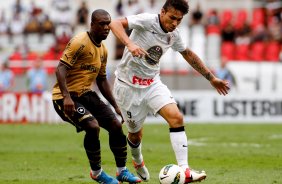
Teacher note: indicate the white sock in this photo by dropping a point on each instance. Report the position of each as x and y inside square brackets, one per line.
[97, 172]
[136, 152]
[119, 169]
[180, 147]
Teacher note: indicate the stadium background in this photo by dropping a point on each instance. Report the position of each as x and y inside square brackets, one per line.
[236, 138]
[244, 36]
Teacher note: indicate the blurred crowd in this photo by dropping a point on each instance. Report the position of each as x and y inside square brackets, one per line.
[234, 34]
[221, 35]
[33, 39]
[35, 33]
[32, 31]
[247, 36]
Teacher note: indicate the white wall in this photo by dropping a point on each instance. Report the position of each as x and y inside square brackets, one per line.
[253, 77]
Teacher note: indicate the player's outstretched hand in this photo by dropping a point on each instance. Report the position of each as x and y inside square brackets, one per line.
[136, 51]
[220, 85]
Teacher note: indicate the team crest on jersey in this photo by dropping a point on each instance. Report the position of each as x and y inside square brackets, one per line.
[154, 55]
[80, 110]
[131, 123]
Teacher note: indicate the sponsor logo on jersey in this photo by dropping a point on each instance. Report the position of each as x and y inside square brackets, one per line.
[79, 50]
[91, 68]
[140, 81]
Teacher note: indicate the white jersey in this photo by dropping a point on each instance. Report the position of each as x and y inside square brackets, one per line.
[149, 35]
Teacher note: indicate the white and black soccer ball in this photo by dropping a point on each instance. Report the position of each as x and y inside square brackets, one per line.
[172, 174]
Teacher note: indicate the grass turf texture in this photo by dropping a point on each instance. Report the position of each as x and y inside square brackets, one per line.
[229, 153]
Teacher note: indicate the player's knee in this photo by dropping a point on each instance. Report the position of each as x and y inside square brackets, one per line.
[176, 120]
[135, 138]
[116, 126]
[91, 126]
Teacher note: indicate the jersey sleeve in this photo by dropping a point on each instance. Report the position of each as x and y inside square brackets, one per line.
[140, 21]
[72, 51]
[103, 69]
[178, 44]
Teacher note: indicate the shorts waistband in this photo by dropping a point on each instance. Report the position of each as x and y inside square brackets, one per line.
[121, 80]
[76, 94]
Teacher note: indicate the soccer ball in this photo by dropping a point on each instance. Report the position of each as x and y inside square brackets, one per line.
[172, 174]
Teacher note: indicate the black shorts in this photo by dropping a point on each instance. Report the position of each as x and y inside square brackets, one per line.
[88, 107]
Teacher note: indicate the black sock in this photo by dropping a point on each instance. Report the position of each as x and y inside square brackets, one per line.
[118, 146]
[93, 150]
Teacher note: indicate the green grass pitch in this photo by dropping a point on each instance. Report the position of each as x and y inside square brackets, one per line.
[229, 153]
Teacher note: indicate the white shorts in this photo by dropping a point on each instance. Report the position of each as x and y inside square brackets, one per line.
[136, 103]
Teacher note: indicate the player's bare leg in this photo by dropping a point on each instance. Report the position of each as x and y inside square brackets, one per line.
[179, 142]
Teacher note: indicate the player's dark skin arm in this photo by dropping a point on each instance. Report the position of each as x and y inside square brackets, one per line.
[106, 91]
[61, 73]
[220, 85]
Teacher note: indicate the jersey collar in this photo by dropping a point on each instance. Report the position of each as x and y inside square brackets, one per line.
[93, 41]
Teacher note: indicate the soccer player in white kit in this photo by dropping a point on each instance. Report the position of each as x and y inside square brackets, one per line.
[138, 89]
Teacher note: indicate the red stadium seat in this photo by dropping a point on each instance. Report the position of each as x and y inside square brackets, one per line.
[272, 51]
[213, 29]
[16, 56]
[258, 17]
[31, 56]
[241, 18]
[242, 52]
[226, 17]
[59, 55]
[258, 51]
[50, 66]
[50, 55]
[16, 63]
[228, 50]
[50, 60]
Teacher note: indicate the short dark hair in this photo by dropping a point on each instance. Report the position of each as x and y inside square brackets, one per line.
[181, 5]
[97, 13]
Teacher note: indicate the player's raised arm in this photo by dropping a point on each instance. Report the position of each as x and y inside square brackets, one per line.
[118, 27]
[220, 85]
